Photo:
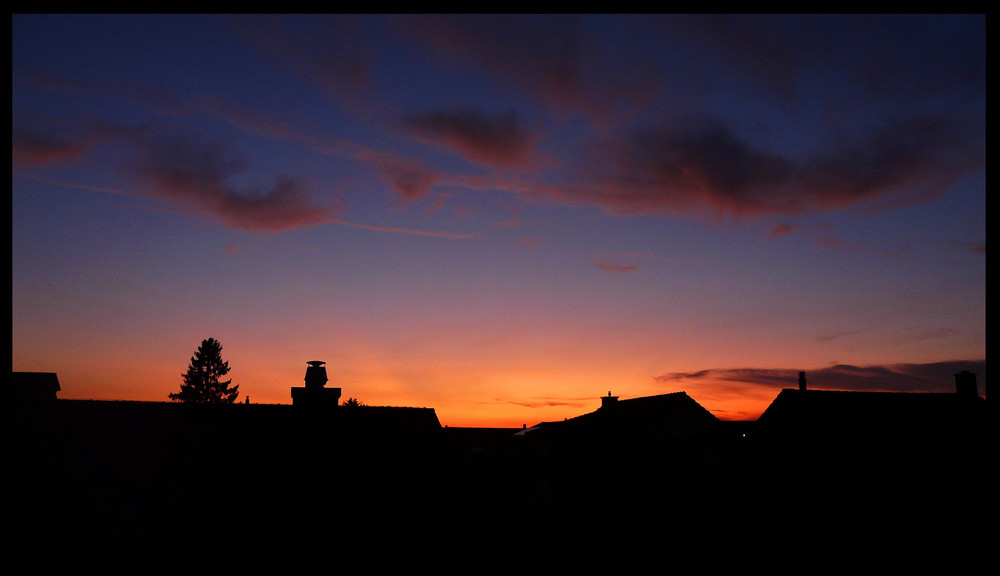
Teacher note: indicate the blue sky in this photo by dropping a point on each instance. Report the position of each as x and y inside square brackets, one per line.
[501, 217]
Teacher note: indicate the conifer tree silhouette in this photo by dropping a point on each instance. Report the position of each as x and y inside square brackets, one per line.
[203, 382]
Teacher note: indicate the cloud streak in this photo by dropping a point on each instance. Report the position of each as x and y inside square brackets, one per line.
[408, 231]
[492, 140]
[687, 163]
[560, 61]
[930, 377]
[702, 165]
[197, 175]
[615, 266]
[33, 146]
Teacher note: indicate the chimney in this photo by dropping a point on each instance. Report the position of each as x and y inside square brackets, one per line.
[316, 374]
[802, 381]
[609, 401]
[315, 392]
[965, 383]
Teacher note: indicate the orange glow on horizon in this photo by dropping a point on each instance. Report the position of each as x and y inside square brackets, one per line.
[471, 377]
[521, 404]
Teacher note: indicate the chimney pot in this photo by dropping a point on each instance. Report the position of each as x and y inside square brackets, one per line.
[316, 374]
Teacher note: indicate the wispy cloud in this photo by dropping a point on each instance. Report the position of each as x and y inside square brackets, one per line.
[687, 163]
[976, 247]
[845, 334]
[492, 140]
[616, 266]
[408, 231]
[547, 402]
[834, 242]
[37, 142]
[780, 230]
[229, 249]
[920, 154]
[932, 377]
[197, 174]
[408, 178]
[527, 241]
[704, 165]
[559, 60]
[194, 173]
[328, 50]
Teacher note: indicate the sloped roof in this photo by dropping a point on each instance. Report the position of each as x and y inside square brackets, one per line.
[869, 405]
[884, 413]
[674, 414]
[391, 418]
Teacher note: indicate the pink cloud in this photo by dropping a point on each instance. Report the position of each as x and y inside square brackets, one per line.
[195, 175]
[35, 145]
[527, 241]
[492, 140]
[408, 178]
[702, 165]
[615, 266]
[782, 230]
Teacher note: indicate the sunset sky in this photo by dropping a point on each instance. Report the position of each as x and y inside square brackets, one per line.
[501, 218]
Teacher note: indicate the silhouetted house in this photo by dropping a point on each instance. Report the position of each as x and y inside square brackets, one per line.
[630, 426]
[648, 474]
[34, 387]
[884, 476]
[663, 416]
[809, 414]
[834, 428]
[317, 407]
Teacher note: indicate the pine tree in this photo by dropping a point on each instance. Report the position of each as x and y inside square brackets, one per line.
[203, 380]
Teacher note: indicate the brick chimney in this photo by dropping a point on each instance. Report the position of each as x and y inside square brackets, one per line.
[802, 381]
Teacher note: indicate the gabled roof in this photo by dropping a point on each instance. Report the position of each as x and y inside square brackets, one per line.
[675, 414]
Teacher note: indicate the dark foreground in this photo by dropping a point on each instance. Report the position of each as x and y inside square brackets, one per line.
[113, 482]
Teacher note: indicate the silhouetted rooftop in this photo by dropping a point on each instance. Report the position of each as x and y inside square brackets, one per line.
[851, 408]
[822, 473]
[34, 386]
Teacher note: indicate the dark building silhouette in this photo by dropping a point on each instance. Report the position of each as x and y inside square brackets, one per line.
[965, 383]
[822, 476]
[609, 400]
[805, 412]
[640, 419]
[34, 387]
[315, 393]
[900, 471]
